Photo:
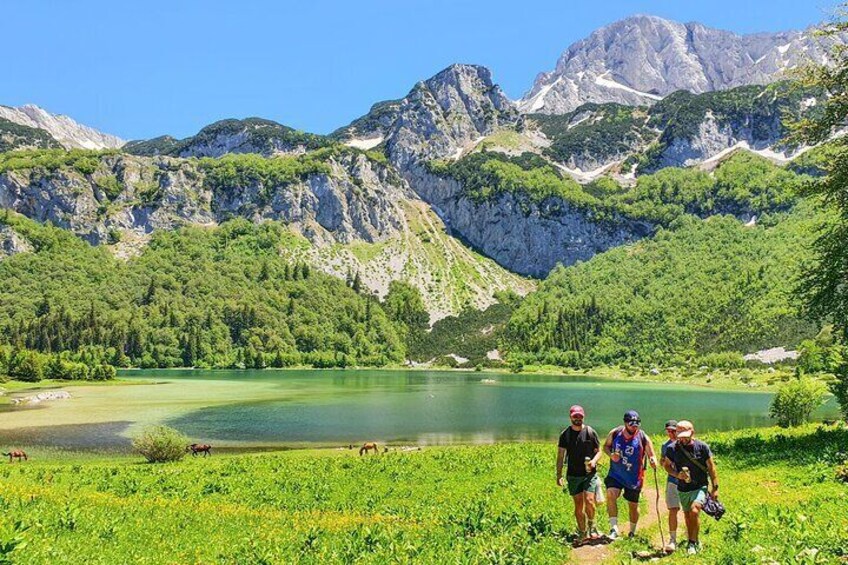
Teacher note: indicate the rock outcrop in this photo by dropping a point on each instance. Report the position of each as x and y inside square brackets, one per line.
[12, 243]
[354, 199]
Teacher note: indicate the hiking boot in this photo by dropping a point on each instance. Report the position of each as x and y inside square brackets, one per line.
[693, 548]
[613, 535]
[631, 535]
[594, 533]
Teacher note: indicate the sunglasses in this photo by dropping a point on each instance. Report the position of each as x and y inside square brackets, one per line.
[633, 422]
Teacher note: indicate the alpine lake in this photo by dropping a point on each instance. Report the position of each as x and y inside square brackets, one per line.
[254, 410]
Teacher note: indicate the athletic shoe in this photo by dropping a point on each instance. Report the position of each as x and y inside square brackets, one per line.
[631, 535]
[613, 535]
[693, 548]
[671, 547]
[594, 533]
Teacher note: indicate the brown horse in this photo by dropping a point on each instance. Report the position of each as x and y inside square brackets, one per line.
[196, 448]
[367, 447]
[18, 453]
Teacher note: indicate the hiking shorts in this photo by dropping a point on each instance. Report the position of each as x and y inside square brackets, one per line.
[576, 485]
[672, 497]
[687, 499]
[630, 494]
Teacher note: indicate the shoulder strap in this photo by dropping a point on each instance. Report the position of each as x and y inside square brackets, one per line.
[692, 460]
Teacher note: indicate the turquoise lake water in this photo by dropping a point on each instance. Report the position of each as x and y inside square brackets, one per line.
[333, 408]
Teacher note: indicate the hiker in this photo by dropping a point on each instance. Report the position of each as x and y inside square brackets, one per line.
[579, 445]
[672, 500]
[627, 447]
[690, 461]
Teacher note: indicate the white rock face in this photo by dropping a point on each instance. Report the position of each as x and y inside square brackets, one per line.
[66, 131]
[640, 59]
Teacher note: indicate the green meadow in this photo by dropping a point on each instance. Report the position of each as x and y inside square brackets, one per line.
[477, 504]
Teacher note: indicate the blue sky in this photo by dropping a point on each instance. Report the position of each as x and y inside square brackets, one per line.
[141, 69]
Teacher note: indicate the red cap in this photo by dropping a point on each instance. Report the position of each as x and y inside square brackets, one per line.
[577, 410]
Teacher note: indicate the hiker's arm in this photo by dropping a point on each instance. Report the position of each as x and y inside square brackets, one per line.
[713, 477]
[596, 458]
[608, 448]
[668, 465]
[652, 455]
[560, 458]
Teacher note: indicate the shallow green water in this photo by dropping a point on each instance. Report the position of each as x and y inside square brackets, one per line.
[300, 408]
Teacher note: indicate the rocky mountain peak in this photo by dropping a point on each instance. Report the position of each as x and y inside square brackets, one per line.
[70, 134]
[446, 112]
[641, 59]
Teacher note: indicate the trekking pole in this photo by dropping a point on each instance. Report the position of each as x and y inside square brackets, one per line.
[659, 517]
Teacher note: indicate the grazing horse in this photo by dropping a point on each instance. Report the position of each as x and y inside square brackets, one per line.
[203, 448]
[367, 447]
[19, 453]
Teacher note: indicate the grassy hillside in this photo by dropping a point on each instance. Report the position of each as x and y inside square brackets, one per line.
[706, 286]
[493, 504]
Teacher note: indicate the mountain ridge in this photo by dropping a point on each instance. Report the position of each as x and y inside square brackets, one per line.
[641, 59]
[66, 131]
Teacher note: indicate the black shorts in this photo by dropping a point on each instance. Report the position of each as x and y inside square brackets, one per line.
[630, 494]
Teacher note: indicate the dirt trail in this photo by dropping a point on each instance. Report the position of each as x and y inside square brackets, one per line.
[595, 554]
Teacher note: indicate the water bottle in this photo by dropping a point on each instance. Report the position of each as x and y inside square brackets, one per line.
[588, 464]
[684, 474]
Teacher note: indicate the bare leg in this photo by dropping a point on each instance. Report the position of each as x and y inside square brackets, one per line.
[694, 528]
[590, 507]
[612, 507]
[672, 522]
[692, 523]
[634, 512]
[579, 511]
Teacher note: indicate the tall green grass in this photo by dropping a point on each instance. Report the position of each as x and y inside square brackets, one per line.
[492, 504]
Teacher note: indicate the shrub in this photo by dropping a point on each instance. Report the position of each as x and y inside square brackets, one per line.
[796, 400]
[27, 366]
[103, 372]
[159, 444]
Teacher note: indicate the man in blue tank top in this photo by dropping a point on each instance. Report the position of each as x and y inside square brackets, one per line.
[627, 446]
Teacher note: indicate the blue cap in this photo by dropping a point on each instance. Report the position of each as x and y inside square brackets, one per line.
[631, 415]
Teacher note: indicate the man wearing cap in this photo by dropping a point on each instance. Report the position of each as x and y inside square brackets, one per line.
[672, 500]
[627, 447]
[579, 446]
[690, 461]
